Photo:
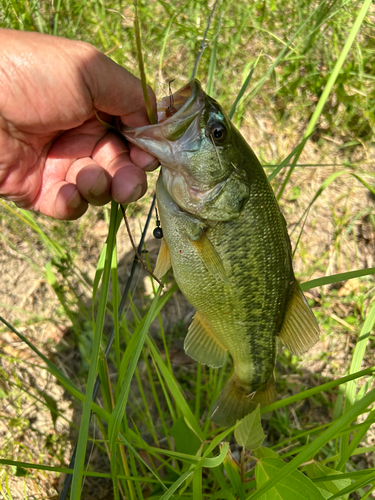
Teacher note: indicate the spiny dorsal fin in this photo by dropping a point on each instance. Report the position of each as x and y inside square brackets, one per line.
[300, 330]
[201, 344]
[210, 257]
[163, 262]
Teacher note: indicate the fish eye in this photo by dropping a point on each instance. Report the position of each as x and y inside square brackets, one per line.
[217, 131]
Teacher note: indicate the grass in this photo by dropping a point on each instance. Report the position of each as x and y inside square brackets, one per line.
[301, 80]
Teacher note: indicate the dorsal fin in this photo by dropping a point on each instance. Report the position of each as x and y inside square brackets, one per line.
[163, 262]
[210, 257]
[300, 330]
[201, 344]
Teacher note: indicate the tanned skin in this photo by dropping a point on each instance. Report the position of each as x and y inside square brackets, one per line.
[55, 155]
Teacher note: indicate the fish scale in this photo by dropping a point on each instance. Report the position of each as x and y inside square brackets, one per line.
[227, 242]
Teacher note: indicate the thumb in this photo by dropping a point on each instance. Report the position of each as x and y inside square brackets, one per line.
[115, 90]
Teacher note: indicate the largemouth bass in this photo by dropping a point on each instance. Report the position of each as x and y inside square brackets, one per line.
[227, 241]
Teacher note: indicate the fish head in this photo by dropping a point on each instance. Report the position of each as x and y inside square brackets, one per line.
[203, 156]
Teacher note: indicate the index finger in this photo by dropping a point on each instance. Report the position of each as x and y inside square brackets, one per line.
[115, 90]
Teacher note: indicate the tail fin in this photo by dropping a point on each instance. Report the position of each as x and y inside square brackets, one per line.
[236, 400]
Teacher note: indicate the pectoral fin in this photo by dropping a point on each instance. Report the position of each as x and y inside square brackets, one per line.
[300, 330]
[201, 344]
[163, 262]
[210, 257]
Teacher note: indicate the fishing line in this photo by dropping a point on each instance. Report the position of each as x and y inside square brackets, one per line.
[69, 477]
[137, 254]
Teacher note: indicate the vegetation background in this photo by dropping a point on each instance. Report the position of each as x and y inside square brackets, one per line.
[312, 74]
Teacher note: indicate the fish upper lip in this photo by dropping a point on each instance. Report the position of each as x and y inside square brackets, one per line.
[193, 85]
[186, 94]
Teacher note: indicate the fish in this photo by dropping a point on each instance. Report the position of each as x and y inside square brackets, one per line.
[227, 242]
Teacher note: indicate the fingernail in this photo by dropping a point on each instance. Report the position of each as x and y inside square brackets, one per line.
[75, 200]
[136, 193]
[100, 186]
[151, 166]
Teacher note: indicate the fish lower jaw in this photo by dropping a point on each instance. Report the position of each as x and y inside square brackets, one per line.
[178, 188]
[189, 198]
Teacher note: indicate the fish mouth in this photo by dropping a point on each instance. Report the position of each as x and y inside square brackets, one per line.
[177, 113]
[172, 104]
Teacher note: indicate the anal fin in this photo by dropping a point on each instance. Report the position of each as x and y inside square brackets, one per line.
[163, 262]
[201, 344]
[300, 330]
[210, 257]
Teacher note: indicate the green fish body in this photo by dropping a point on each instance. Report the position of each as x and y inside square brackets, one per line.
[227, 242]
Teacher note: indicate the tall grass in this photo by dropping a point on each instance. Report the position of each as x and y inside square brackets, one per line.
[153, 417]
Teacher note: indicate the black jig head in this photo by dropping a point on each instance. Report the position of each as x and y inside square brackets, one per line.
[158, 232]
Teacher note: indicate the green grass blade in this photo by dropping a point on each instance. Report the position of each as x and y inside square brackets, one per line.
[368, 493]
[58, 374]
[98, 275]
[150, 111]
[88, 473]
[85, 419]
[135, 337]
[241, 92]
[316, 390]
[232, 470]
[120, 406]
[54, 248]
[212, 66]
[366, 184]
[336, 70]
[311, 449]
[168, 494]
[360, 483]
[281, 55]
[175, 390]
[197, 483]
[331, 81]
[115, 305]
[285, 162]
[355, 364]
[162, 50]
[131, 448]
[336, 278]
[362, 430]
[323, 186]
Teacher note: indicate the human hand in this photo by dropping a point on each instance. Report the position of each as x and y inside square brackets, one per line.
[55, 155]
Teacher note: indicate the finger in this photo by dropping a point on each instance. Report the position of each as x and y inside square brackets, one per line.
[143, 159]
[128, 184]
[63, 201]
[114, 90]
[109, 156]
[129, 181]
[94, 184]
[74, 152]
[93, 181]
[112, 153]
